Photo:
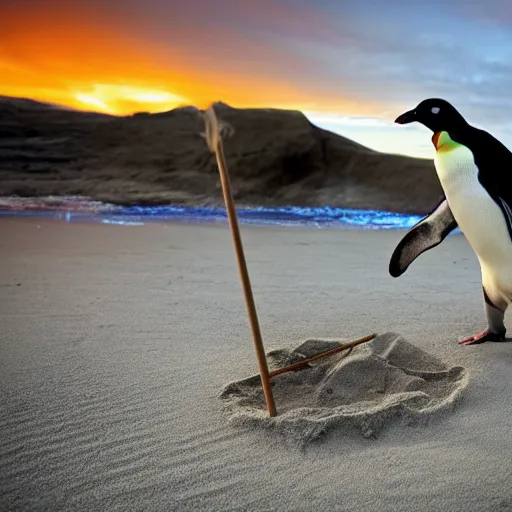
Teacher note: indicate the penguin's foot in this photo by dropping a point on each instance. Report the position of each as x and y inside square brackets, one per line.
[482, 337]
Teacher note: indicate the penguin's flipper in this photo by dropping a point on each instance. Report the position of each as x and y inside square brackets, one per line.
[428, 233]
[507, 213]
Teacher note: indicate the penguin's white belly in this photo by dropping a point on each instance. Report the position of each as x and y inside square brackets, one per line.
[478, 216]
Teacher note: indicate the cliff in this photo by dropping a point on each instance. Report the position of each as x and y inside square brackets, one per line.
[275, 157]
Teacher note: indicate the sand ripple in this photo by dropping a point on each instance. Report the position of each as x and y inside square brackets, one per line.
[76, 442]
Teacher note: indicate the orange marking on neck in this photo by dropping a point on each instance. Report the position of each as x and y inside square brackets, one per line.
[435, 138]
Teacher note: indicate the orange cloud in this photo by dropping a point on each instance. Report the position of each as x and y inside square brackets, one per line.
[93, 56]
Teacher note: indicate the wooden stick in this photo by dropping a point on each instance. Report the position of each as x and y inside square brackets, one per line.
[213, 138]
[350, 345]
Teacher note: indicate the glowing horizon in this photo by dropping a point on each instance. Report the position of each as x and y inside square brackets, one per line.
[346, 68]
[85, 55]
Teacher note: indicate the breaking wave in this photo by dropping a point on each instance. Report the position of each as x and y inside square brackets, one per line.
[80, 209]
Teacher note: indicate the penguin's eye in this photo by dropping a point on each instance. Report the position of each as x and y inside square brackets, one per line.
[435, 110]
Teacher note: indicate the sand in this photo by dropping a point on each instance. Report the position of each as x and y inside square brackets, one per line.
[384, 381]
[116, 342]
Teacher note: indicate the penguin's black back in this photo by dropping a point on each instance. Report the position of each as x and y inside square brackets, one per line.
[494, 162]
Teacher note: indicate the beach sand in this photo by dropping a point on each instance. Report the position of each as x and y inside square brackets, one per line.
[117, 341]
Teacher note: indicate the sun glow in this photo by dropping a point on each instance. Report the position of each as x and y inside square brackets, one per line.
[125, 99]
[88, 55]
[93, 102]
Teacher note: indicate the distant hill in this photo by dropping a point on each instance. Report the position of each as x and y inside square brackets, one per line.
[275, 157]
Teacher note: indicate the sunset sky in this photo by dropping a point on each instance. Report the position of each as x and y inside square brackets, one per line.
[351, 66]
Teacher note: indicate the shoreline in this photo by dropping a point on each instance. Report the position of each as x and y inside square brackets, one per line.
[80, 209]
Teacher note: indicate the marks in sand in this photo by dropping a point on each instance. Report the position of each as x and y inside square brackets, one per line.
[386, 381]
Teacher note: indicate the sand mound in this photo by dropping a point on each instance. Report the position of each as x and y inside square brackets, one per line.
[383, 382]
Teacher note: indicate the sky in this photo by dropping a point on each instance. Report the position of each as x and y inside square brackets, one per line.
[351, 66]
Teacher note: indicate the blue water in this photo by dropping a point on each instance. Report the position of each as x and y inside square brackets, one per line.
[76, 209]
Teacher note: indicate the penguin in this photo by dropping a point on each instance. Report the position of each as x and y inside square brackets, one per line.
[475, 171]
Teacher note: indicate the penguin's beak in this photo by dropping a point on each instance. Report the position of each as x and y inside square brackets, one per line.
[406, 117]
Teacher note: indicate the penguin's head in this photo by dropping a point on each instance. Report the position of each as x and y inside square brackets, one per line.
[434, 113]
